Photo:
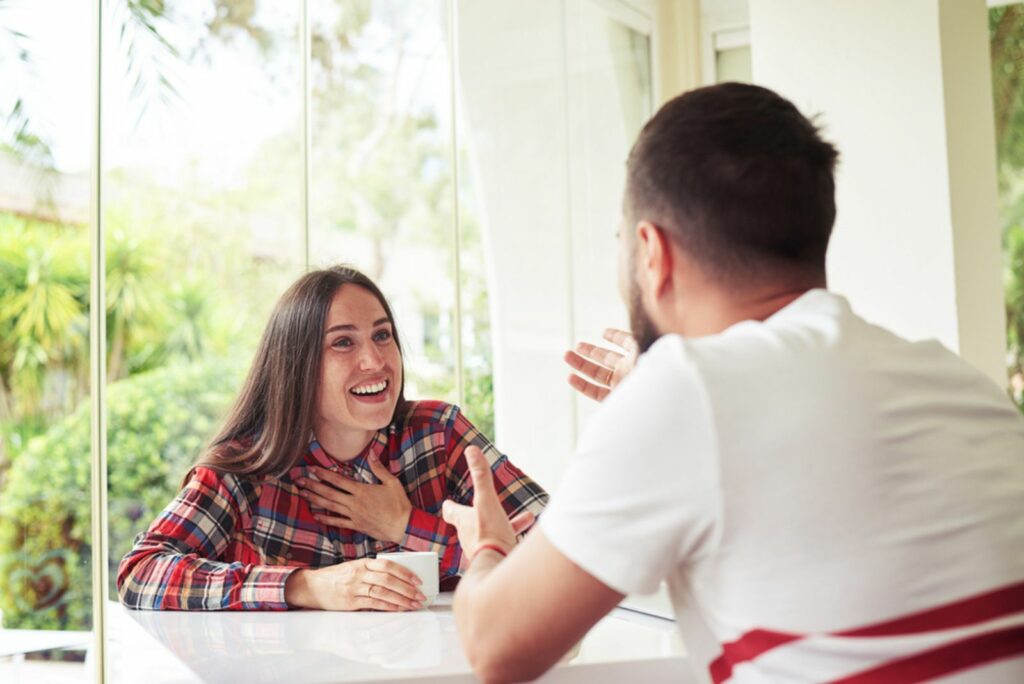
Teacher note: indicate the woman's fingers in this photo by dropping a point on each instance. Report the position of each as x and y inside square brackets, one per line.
[322, 489]
[335, 521]
[386, 585]
[337, 481]
[391, 568]
[325, 503]
[368, 603]
[381, 471]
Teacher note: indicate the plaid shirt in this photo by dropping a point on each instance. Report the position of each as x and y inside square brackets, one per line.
[230, 543]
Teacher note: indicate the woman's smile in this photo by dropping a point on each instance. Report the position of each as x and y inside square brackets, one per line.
[372, 392]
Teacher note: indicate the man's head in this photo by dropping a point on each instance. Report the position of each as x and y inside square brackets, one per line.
[736, 180]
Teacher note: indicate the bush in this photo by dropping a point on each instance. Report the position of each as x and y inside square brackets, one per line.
[157, 424]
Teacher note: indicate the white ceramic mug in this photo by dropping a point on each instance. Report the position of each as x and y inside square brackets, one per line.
[424, 565]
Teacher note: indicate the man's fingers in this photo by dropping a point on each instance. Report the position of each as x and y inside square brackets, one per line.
[454, 513]
[588, 389]
[620, 338]
[606, 357]
[483, 479]
[522, 522]
[585, 366]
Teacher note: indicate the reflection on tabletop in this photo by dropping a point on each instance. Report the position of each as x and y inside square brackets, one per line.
[216, 644]
[315, 646]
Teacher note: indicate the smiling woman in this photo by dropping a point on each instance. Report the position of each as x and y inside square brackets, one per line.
[321, 465]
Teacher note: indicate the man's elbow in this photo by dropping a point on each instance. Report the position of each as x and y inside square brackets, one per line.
[496, 663]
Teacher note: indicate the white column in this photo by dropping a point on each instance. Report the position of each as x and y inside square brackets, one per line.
[903, 88]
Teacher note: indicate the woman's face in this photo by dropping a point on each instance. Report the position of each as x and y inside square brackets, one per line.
[361, 370]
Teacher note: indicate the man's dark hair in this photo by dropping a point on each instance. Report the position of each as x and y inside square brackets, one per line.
[741, 180]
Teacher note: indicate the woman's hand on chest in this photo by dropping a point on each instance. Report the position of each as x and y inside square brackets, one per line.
[378, 510]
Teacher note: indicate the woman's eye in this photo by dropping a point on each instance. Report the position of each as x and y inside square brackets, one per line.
[382, 335]
[342, 342]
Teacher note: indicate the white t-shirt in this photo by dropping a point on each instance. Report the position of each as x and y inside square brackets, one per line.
[809, 486]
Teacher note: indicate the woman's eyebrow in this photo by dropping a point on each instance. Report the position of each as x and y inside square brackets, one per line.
[349, 326]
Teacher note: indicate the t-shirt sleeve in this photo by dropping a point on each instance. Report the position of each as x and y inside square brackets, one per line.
[641, 496]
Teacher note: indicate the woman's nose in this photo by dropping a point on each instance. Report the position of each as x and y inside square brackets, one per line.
[370, 358]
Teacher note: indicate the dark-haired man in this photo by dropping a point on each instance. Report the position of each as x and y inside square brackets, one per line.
[826, 500]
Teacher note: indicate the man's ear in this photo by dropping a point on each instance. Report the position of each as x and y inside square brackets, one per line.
[654, 255]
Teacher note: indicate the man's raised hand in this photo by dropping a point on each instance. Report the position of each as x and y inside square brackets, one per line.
[599, 370]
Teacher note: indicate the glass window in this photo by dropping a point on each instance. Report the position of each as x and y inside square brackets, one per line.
[1006, 32]
[382, 194]
[45, 413]
[202, 220]
[477, 182]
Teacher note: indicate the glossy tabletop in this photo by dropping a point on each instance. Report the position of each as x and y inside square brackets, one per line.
[309, 646]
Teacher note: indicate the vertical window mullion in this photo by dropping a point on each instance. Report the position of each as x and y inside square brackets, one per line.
[453, 64]
[97, 373]
[306, 47]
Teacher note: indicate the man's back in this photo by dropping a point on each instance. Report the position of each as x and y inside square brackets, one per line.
[823, 497]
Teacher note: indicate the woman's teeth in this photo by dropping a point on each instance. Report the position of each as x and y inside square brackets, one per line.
[375, 388]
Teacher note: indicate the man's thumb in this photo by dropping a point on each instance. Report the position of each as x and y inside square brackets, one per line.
[453, 513]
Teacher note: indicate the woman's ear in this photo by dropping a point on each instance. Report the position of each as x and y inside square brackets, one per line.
[654, 256]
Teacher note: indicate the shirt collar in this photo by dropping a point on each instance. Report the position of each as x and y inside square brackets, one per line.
[358, 466]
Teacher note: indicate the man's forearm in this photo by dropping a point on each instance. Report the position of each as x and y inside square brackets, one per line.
[483, 638]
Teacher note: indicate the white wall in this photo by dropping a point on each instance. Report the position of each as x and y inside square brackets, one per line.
[903, 90]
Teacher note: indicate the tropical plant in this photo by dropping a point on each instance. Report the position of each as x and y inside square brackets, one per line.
[157, 424]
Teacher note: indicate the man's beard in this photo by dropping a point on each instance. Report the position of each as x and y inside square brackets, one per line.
[644, 331]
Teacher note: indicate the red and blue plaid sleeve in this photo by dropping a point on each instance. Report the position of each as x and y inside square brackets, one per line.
[517, 492]
[173, 564]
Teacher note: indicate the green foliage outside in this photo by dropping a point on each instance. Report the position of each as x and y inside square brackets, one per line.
[157, 423]
[1006, 35]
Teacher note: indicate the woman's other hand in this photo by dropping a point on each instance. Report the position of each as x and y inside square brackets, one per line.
[378, 510]
[364, 584]
[599, 369]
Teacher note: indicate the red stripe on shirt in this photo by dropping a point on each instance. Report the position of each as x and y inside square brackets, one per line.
[964, 654]
[961, 613]
[749, 646]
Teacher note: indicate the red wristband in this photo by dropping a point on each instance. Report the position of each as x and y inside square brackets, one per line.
[492, 547]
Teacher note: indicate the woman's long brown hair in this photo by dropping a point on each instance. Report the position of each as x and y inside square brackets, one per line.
[270, 424]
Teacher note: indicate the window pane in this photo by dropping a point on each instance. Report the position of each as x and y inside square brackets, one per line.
[1006, 31]
[512, 128]
[45, 541]
[202, 219]
[381, 172]
[610, 100]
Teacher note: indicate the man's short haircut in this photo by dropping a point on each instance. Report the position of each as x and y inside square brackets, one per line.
[740, 180]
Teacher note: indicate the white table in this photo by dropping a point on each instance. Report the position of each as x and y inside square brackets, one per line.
[18, 642]
[309, 646]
